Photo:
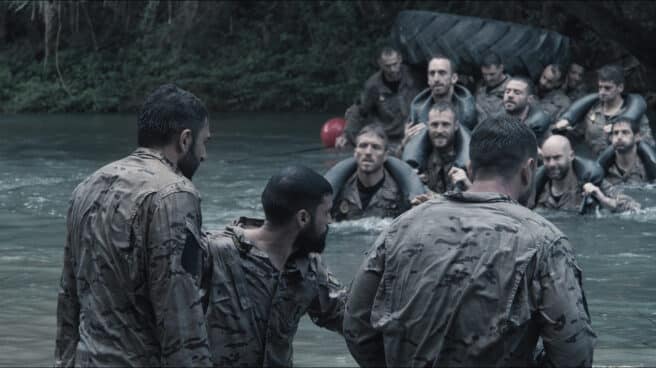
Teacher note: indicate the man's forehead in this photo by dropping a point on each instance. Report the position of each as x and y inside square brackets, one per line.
[607, 83]
[444, 115]
[439, 64]
[517, 84]
[390, 58]
[622, 125]
[369, 138]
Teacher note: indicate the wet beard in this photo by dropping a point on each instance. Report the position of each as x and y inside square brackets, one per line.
[309, 242]
[624, 149]
[189, 163]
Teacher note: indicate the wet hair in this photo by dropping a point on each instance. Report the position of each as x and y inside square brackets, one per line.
[388, 50]
[292, 189]
[635, 125]
[375, 128]
[530, 86]
[452, 63]
[444, 106]
[611, 73]
[166, 112]
[500, 145]
[491, 58]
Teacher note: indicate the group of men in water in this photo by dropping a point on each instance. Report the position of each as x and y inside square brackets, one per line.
[558, 111]
[468, 276]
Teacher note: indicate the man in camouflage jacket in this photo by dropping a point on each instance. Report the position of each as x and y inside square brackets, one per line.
[473, 278]
[265, 275]
[129, 292]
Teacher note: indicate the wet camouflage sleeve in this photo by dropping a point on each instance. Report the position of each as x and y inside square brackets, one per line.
[363, 341]
[624, 202]
[68, 309]
[563, 311]
[327, 310]
[175, 265]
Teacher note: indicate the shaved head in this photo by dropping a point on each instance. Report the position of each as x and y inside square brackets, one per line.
[557, 155]
[557, 143]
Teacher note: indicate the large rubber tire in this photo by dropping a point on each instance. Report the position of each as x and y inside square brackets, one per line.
[404, 175]
[524, 50]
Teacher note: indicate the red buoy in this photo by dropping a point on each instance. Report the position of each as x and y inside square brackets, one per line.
[332, 129]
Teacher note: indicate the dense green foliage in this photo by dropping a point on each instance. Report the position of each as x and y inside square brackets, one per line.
[244, 56]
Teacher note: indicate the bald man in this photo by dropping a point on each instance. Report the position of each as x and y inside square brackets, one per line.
[565, 191]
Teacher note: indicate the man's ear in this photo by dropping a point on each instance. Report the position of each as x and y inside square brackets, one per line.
[456, 125]
[526, 172]
[303, 218]
[454, 78]
[185, 141]
[531, 99]
[621, 87]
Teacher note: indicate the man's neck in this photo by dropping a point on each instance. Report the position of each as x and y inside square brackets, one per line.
[612, 106]
[522, 114]
[626, 160]
[370, 179]
[445, 97]
[276, 242]
[493, 186]
[567, 183]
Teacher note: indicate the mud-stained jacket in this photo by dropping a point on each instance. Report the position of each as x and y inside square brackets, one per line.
[571, 199]
[554, 103]
[129, 292]
[468, 279]
[489, 102]
[388, 201]
[254, 309]
[592, 128]
[379, 104]
[636, 174]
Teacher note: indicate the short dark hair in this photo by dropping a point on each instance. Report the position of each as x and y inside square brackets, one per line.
[500, 145]
[292, 189]
[375, 128]
[388, 50]
[635, 125]
[452, 63]
[166, 112]
[612, 73]
[491, 58]
[530, 86]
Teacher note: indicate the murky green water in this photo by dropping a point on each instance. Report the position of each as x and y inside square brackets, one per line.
[43, 157]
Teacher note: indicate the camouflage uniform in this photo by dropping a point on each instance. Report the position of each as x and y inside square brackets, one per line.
[490, 102]
[129, 292]
[636, 174]
[379, 104]
[592, 129]
[388, 201]
[254, 309]
[554, 103]
[437, 169]
[571, 199]
[469, 279]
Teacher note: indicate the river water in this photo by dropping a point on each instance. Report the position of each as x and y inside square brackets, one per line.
[43, 157]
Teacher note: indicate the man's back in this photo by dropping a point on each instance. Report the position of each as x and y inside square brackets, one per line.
[128, 226]
[474, 282]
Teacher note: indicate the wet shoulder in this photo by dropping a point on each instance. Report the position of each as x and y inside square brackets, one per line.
[444, 215]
